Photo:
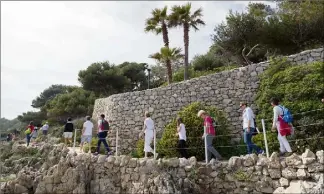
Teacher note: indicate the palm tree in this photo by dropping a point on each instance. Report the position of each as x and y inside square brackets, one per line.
[181, 16]
[158, 24]
[166, 56]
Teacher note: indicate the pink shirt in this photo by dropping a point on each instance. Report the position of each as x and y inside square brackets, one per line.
[209, 122]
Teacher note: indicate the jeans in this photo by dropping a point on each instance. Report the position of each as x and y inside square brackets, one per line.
[103, 140]
[210, 149]
[28, 137]
[249, 143]
[182, 148]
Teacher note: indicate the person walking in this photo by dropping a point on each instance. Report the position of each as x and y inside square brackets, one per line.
[103, 127]
[29, 131]
[181, 129]
[278, 114]
[210, 135]
[45, 129]
[249, 128]
[68, 131]
[86, 133]
[149, 131]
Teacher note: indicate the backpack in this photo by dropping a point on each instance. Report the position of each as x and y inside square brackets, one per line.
[28, 131]
[105, 127]
[214, 123]
[287, 117]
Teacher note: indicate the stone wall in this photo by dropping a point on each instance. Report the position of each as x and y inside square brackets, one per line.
[85, 173]
[224, 90]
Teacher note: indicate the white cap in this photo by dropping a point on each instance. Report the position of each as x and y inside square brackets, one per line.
[201, 112]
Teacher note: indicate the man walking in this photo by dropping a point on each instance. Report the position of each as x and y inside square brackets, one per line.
[68, 131]
[45, 129]
[249, 128]
[103, 127]
[86, 133]
[210, 135]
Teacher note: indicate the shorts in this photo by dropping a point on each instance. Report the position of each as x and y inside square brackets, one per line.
[44, 132]
[67, 134]
[86, 138]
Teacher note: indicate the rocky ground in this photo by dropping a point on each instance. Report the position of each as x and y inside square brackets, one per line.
[58, 169]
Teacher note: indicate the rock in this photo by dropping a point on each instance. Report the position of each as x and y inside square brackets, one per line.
[315, 167]
[183, 162]
[274, 161]
[289, 173]
[320, 156]
[101, 159]
[234, 162]
[192, 161]
[274, 173]
[262, 161]
[20, 189]
[308, 157]
[284, 182]
[249, 160]
[279, 190]
[293, 160]
[132, 163]
[302, 174]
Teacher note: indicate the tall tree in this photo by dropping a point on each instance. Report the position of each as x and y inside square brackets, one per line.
[166, 55]
[158, 24]
[181, 16]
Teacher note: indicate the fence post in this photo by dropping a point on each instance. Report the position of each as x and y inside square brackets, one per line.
[116, 142]
[74, 139]
[154, 144]
[265, 138]
[205, 138]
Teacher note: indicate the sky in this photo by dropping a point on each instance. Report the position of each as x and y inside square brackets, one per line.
[45, 43]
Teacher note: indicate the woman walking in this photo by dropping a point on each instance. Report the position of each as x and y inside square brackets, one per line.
[181, 129]
[149, 131]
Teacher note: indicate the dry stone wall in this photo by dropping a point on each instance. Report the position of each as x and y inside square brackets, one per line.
[84, 173]
[224, 90]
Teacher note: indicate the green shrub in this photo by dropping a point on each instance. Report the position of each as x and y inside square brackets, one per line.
[94, 143]
[167, 145]
[272, 141]
[140, 148]
[299, 88]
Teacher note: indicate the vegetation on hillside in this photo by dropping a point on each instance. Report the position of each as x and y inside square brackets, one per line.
[299, 88]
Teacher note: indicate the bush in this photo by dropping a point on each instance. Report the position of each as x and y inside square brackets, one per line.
[272, 141]
[300, 88]
[139, 152]
[94, 143]
[194, 128]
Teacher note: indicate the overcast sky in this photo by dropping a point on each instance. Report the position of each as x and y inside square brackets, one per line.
[45, 43]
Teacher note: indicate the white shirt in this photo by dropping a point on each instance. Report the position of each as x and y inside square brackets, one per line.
[182, 132]
[88, 125]
[277, 111]
[248, 116]
[45, 127]
[149, 123]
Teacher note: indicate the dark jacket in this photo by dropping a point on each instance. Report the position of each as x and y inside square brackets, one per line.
[68, 127]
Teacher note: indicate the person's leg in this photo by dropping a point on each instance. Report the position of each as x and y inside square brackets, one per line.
[28, 139]
[251, 145]
[147, 144]
[98, 145]
[89, 143]
[286, 144]
[104, 141]
[179, 148]
[184, 148]
[81, 144]
[211, 148]
[282, 147]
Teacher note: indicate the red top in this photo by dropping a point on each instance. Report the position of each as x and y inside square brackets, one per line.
[209, 122]
[31, 128]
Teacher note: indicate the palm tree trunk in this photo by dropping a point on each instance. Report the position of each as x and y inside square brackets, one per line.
[165, 35]
[186, 45]
[169, 70]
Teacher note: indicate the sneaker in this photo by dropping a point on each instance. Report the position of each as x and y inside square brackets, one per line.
[110, 153]
[282, 154]
[96, 153]
[261, 152]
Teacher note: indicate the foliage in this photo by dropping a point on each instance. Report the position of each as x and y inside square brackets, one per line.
[94, 143]
[166, 55]
[49, 93]
[37, 117]
[296, 26]
[75, 104]
[185, 17]
[139, 153]
[272, 141]
[206, 62]
[194, 129]
[300, 89]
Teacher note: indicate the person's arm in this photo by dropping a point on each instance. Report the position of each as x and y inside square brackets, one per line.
[275, 117]
[83, 128]
[249, 116]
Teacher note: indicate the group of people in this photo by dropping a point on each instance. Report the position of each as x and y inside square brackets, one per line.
[86, 133]
[32, 132]
[283, 127]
